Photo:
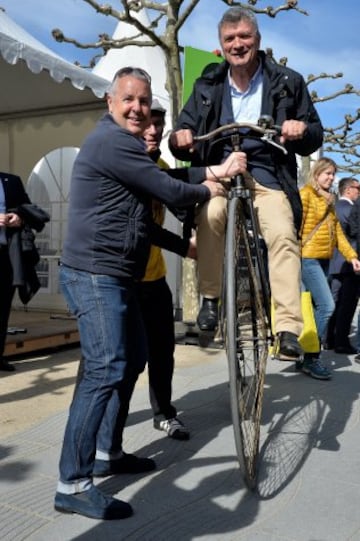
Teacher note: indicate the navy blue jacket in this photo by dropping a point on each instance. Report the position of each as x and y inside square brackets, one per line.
[354, 224]
[285, 97]
[110, 227]
[338, 265]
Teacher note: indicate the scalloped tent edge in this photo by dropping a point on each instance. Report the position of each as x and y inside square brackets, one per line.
[13, 51]
[45, 101]
[34, 78]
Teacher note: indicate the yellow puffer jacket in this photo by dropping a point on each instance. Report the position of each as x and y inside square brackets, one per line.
[328, 236]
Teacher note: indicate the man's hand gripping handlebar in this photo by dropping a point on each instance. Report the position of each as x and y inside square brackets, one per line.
[265, 130]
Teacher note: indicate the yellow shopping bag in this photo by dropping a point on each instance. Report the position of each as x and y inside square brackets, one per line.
[308, 339]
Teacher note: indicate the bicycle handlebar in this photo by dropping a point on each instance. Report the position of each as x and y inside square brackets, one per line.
[267, 133]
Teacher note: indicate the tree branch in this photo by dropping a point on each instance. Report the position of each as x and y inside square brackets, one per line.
[270, 11]
[170, 16]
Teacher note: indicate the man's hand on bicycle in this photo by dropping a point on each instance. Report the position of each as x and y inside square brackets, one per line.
[182, 139]
[216, 188]
[234, 164]
[291, 130]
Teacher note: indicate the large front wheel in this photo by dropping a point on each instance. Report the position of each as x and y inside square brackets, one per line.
[246, 333]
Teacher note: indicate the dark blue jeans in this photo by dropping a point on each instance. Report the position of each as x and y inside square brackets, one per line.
[113, 345]
[314, 276]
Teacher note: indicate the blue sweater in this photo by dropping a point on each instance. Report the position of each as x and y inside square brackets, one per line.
[110, 227]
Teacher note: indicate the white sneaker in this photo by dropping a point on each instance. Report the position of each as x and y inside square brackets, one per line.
[173, 427]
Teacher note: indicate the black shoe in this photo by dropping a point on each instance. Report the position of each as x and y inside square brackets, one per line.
[287, 347]
[93, 504]
[125, 464]
[345, 350]
[6, 366]
[207, 319]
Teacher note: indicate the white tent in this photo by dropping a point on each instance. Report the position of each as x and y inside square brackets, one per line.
[151, 59]
[41, 98]
[23, 59]
[47, 106]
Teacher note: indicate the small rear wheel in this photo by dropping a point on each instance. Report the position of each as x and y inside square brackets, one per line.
[246, 332]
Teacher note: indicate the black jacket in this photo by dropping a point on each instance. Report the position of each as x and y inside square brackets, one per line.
[21, 241]
[353, 227]
[338, 264]
[285, 97]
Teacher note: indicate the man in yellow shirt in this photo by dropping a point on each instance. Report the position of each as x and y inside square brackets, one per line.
[157, 306]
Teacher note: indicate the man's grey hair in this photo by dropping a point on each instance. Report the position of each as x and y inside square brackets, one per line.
[235, 15]
[138, 73]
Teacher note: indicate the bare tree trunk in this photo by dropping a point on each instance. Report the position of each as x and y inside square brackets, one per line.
[304, 170]
[190, 291]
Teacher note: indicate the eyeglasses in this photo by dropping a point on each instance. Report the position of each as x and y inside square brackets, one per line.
[356, 187]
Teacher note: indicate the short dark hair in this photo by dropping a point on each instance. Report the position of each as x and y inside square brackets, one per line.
[345, 183]
[237, 14]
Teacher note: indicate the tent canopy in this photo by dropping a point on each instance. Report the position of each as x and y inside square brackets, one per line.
[34, 78]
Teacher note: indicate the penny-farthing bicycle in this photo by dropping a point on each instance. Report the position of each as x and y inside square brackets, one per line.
[245, 302]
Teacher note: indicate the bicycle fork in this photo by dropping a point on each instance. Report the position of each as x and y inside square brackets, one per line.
[240, 190]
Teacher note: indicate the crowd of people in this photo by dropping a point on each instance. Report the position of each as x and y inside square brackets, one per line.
[113, 272]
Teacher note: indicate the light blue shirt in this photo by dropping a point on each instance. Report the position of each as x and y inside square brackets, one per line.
[3, 239]
[246, 105]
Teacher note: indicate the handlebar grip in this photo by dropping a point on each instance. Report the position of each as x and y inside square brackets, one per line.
[263, 130]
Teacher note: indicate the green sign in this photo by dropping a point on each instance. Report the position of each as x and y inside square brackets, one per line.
[195, 61]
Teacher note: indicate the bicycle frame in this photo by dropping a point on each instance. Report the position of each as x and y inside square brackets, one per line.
[238, 189]
[245, 318]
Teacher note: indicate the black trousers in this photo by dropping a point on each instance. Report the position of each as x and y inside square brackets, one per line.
[7, 291]
[157, 310]
[345, 291]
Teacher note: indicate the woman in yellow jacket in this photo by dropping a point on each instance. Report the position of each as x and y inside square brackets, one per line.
[321, 232]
